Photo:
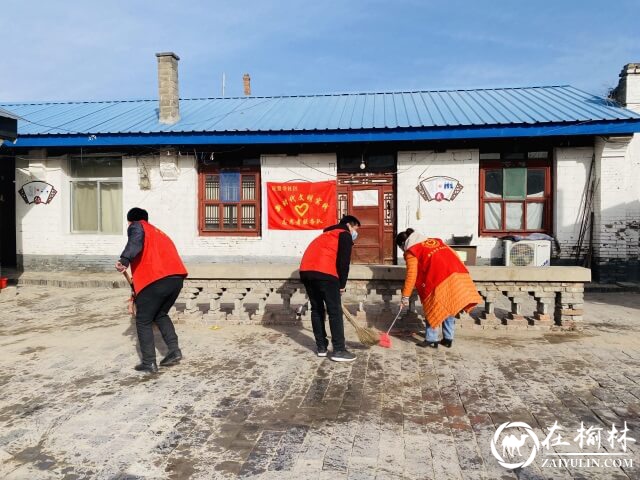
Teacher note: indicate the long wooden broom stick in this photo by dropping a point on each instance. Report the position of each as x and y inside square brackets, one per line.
[133, 293]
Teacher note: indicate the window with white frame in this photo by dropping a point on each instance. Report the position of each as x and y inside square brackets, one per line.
[96, 194]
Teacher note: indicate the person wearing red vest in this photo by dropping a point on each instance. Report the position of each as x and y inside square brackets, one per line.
[443, 283]
[324, 270]
[158, 274]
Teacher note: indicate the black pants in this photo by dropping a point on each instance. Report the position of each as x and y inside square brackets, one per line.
[326, 293]
[152, 305]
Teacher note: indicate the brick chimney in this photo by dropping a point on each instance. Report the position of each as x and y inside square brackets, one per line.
[246, 79]
[168, 96]
[627, 92]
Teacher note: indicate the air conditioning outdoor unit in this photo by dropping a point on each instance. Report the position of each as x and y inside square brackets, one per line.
[527, 253]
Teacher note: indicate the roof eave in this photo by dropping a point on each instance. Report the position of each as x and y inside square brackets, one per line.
[618, 127]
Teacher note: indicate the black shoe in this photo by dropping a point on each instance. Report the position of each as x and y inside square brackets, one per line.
[172, 358]
[343, 356]
[147, 367]
[322, 352]
[429, 344]
[446, 342]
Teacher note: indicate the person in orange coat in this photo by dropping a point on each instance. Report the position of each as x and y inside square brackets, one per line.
[158, 274]
[443, 283]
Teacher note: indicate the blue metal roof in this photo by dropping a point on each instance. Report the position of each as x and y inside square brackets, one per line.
[480, 113]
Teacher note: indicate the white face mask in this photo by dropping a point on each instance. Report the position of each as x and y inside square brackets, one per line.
[354, 235]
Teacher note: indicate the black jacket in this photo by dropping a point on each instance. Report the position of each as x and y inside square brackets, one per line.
[134, 246]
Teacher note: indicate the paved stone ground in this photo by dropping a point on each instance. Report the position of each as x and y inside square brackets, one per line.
[254, 402]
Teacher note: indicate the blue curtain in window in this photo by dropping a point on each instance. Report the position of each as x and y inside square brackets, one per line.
[230, 186]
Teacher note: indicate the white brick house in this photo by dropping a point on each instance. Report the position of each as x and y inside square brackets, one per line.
[554, 142]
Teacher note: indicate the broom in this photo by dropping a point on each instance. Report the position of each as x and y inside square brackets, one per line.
[367, 336]
[385, 339]
[133, 293]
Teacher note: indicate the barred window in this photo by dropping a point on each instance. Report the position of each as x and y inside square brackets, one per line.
[230, 201]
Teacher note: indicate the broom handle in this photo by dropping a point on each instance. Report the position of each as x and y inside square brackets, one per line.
[395, 319]
[128, 277]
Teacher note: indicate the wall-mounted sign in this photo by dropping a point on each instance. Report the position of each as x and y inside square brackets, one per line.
[169, 168]
[37, 192]
[301, 206]
[365, 198]
[439, 188]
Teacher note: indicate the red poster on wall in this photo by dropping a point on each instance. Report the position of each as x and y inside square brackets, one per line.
[301, 205]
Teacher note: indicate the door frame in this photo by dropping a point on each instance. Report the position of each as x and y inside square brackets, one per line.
[366, 180]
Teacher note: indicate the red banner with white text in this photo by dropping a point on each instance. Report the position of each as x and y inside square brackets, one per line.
[301, 205]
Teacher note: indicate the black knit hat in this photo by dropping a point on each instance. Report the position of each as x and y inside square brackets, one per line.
[136, 214]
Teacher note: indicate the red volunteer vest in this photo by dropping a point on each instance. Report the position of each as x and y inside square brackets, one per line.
[436, 261]
[321, 254]
[158, 259]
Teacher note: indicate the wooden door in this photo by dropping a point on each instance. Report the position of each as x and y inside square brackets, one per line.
[370, 198]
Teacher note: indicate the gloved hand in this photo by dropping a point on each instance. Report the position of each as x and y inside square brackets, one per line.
[404, 301]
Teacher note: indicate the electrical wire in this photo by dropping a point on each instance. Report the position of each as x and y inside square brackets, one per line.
[297, 179]
[313, 168]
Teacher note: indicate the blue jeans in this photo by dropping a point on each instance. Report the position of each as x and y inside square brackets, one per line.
[431, 334]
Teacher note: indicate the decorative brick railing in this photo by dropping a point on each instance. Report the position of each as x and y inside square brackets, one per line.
[514, 297]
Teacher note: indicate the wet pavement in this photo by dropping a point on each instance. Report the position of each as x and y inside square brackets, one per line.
[254, 402]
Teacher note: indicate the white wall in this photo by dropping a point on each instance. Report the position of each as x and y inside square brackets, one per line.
[172, 206]
[45, 229]
[628, 90]
[632, 102]
[570, 173]
[617, 231]
[281, 168]
[273, 245]
[442, 219]
[617, 211]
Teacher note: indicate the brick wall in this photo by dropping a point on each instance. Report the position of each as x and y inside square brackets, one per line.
[617, 209]
[532, 305]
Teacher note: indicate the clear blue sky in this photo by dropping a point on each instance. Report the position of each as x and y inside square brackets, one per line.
[92, 50]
